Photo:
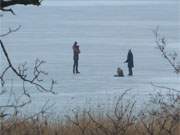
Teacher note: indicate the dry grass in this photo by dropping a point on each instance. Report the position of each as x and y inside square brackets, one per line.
[164, 120]
[89, 127]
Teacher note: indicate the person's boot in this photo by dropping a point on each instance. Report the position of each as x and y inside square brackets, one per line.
[77, 72]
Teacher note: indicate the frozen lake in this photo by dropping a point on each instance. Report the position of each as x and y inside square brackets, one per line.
[105, 31]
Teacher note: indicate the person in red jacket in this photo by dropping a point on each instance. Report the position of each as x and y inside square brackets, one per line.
[76, 52]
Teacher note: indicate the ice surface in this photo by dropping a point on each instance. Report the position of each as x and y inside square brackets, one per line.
[105, 31]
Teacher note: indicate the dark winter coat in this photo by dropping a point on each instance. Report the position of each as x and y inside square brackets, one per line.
[76, 52]
[130, 59]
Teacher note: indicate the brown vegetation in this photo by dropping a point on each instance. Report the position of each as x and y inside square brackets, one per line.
[162, 119]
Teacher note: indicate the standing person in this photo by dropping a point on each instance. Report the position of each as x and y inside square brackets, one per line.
[76, 52]
[130, 62]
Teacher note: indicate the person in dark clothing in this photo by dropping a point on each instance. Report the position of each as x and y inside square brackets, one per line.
[130, 62]
[76, 52]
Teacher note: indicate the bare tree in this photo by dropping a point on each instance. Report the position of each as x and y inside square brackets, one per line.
[36, 78]
[161, 43]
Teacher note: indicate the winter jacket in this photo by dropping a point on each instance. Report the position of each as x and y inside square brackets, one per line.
[130, 60]
[76, 52]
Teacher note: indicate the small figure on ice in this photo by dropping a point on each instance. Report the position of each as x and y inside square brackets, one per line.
[130, 62]
[76, 52]
[119, 73]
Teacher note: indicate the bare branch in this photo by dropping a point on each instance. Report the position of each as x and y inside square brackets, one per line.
[11, 31]
[167, 88]
[20, 73]
[161, 45]
[2, 75]
[7, 3]
[8, 10]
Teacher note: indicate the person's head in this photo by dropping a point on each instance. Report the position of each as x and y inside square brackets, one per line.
[129, 51]
[75, 43]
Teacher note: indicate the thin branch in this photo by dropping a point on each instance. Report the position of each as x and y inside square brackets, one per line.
[11, 31]
[23, 78]
[9, 10]
[167, 88]
[7, 3]
[2, 75]
[161, 45]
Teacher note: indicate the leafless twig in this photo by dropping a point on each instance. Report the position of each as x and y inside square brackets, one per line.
[20, 73]
[161, 43]
[11, 31]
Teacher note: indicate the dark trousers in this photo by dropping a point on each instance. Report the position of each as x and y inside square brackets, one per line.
[75, 66]
[130, 71]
